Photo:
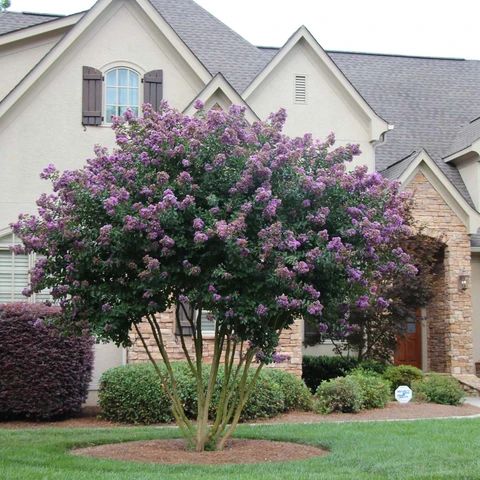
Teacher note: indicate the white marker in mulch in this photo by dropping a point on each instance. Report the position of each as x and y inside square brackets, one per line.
[403, 394]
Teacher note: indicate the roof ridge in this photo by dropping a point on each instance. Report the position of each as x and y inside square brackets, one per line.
[400, 55]
[36, 14]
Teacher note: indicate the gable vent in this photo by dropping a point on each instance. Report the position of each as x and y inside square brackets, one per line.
[300, 89]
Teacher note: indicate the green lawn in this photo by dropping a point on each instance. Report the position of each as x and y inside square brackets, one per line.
[433, 449]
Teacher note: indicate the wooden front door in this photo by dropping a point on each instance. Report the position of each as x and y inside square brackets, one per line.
[409, 344]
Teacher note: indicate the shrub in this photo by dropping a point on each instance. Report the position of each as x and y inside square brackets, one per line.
[297, 394]
[342, 394]
[43, 373]
[134, 394]
[376, 391]
[374, 366]
[437, 388]
[267, 399]
[318, 369]
[402, 375]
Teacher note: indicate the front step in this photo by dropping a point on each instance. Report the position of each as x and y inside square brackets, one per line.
[470, 383]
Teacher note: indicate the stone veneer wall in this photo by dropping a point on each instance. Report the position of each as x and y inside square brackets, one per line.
[449, 316]
[290, 344]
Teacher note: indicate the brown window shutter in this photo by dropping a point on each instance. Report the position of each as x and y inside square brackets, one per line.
[92, 96]
[153, 88]
[184, 323]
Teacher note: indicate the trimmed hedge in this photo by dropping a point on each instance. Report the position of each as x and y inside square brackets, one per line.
[133, 394]
[43, 373]
[319, 369]
[437, 388]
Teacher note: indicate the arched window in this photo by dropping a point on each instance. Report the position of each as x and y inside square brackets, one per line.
[122, 92]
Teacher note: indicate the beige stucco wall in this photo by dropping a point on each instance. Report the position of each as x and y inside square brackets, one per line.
[329, 107]
[45, 125]
[18, 58]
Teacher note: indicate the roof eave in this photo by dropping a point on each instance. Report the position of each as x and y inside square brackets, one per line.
[40, 29]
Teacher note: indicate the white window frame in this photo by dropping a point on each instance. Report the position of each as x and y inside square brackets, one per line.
[6, 247]
[116, 68]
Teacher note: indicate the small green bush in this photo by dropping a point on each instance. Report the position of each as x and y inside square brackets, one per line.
[374, 366]
[318, 369]
[342, 394]
[402, 375]
[297, 394]
[376, 391]
[267, 399]
[438, 388]
[134, 394]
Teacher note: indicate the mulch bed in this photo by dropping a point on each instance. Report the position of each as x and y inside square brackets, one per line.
[393, 411]
[174, 452]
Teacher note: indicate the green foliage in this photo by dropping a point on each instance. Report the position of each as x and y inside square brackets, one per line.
[374, 366]
[267, 399]
[402, 375]
[4, 4]
[297, 395]
[376, 391]
[342, 394]
[437, 388]
[134, 394]
[318, 369]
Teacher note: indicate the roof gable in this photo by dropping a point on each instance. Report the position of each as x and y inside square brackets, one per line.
[424, 163]
[378, 124]
[217, 88]
[80, 27]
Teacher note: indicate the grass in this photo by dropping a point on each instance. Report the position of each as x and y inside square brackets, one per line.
[427, 449]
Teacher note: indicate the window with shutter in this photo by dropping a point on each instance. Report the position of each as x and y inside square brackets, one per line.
[122, 87]
[92, 96]
[14, 273]
[153, 88]
[300, 95]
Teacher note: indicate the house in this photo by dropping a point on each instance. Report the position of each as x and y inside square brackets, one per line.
[416, 120]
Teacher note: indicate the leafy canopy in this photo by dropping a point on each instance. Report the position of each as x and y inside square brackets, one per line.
[237, 219]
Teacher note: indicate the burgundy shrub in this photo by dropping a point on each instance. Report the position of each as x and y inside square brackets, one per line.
[44, 374]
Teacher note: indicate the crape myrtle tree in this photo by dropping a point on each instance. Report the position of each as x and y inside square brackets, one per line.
[209, 213]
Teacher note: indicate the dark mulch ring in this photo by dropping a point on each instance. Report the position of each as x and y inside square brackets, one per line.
[393, 411]
[174, 452]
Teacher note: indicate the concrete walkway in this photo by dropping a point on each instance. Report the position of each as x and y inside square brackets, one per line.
[475, 401]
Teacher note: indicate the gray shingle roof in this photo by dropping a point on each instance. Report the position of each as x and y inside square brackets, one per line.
[464, 138]
[427, 99]
[219, 48]
[11, 21]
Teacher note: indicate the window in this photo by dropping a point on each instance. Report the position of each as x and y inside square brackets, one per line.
[300, 89]
[122, 92]
[207, 322]
[14, 273]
